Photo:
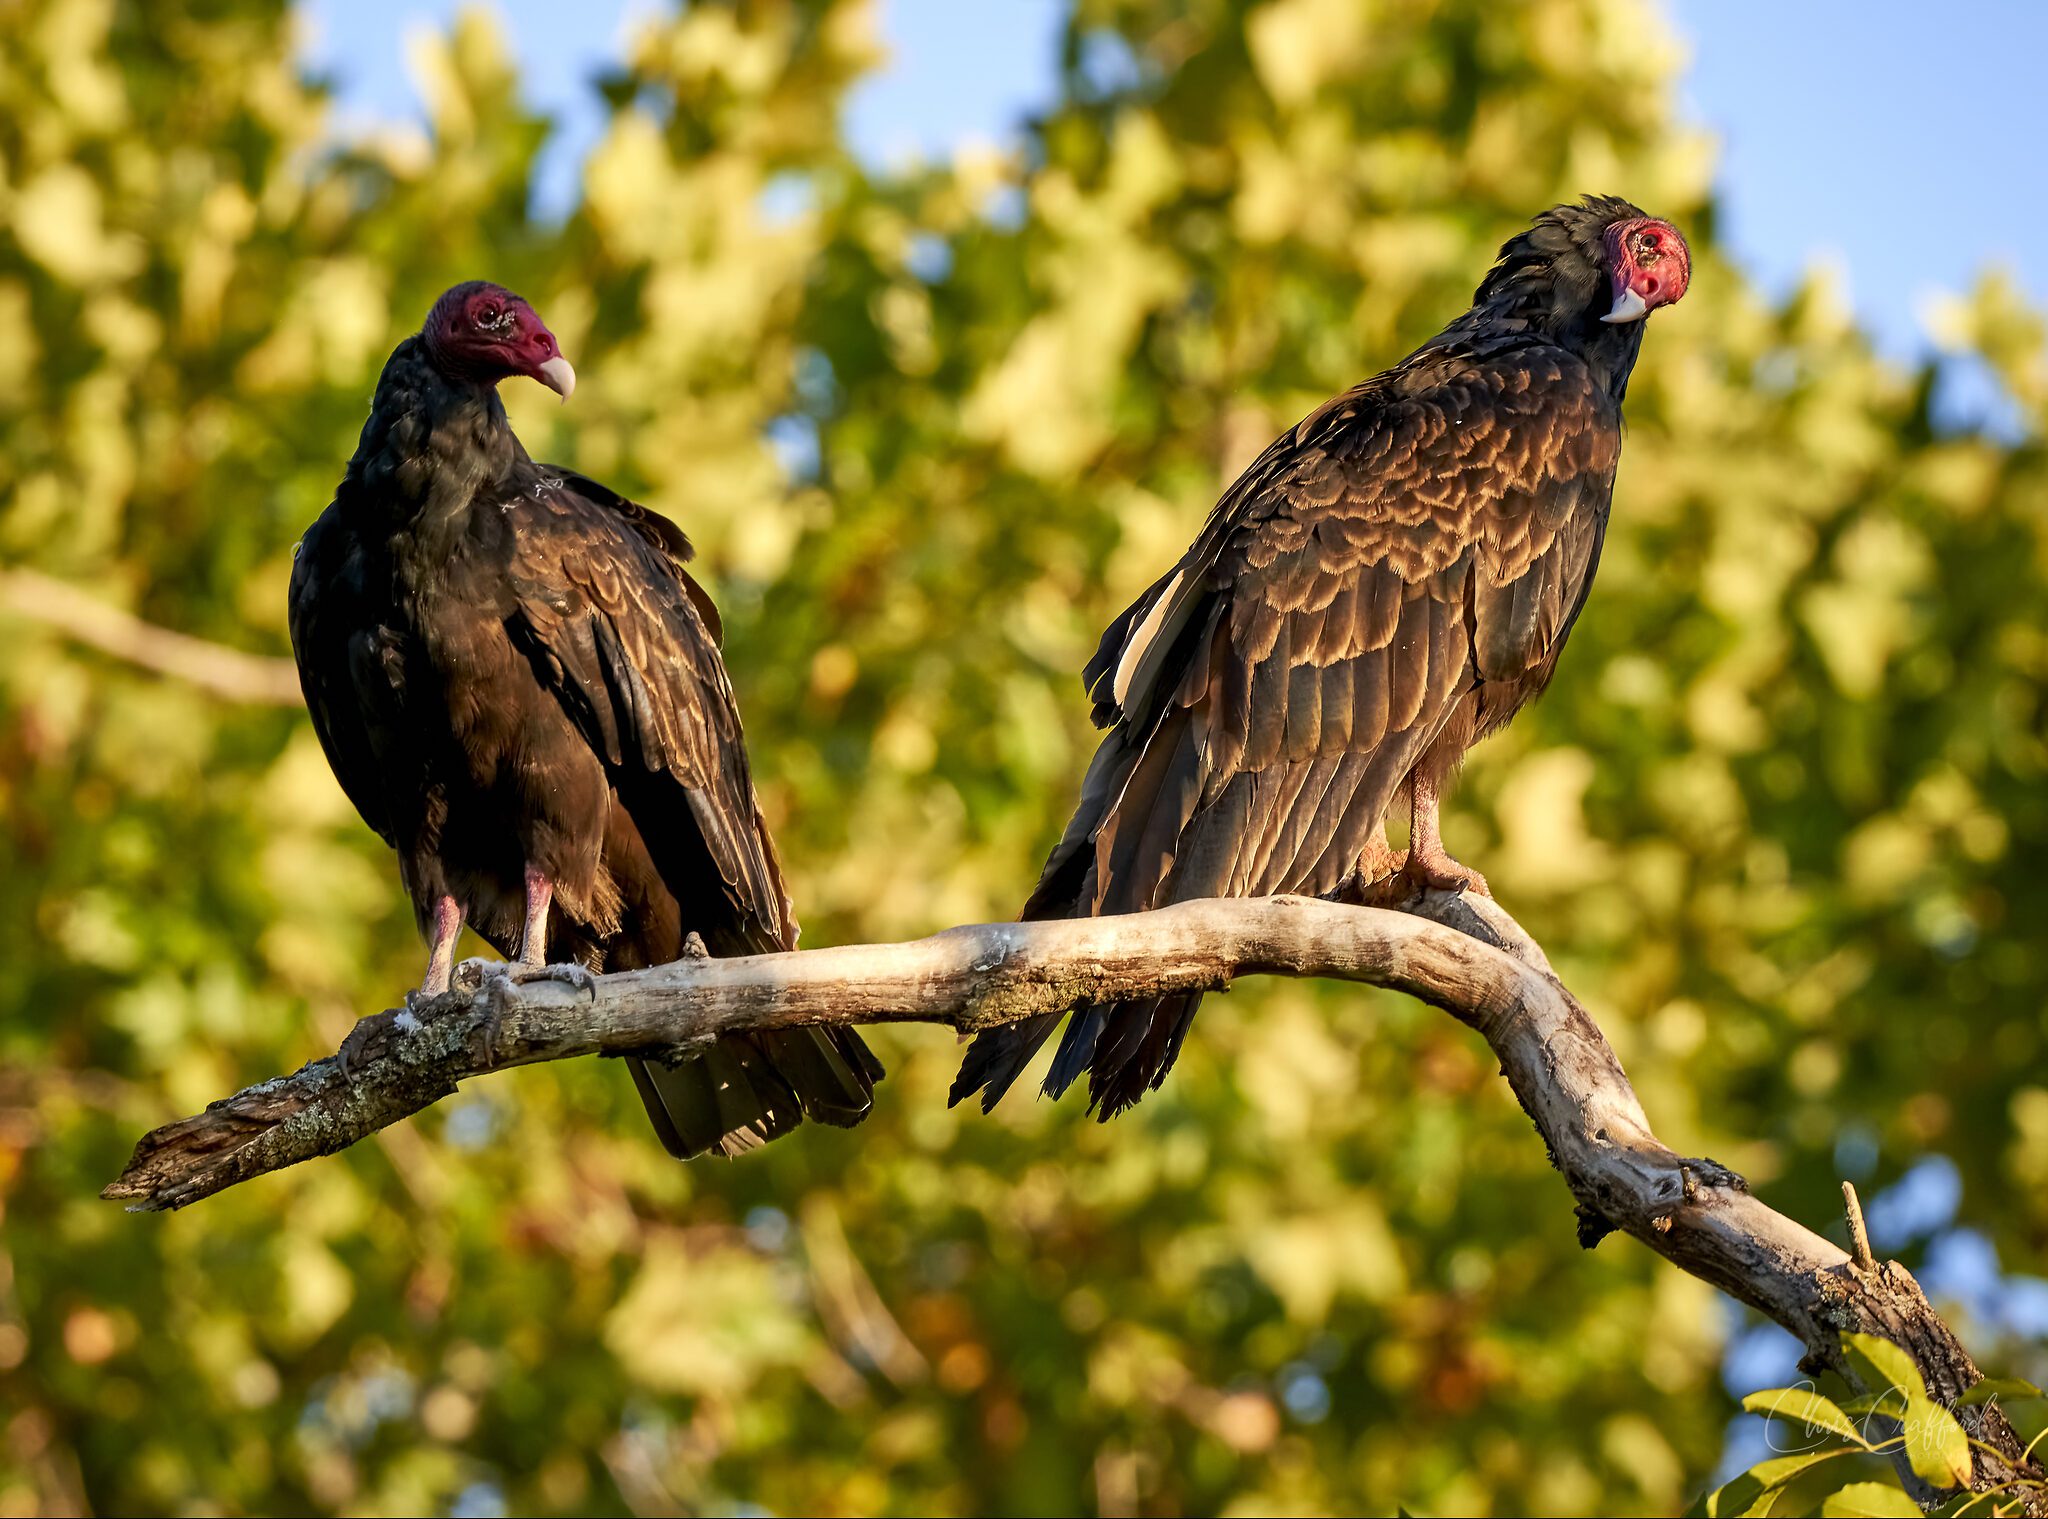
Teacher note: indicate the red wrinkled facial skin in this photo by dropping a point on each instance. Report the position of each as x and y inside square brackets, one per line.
[486, 331]
[1649, 257]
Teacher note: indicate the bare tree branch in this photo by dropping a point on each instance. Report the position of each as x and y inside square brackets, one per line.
[226, 672]
[1463, 955]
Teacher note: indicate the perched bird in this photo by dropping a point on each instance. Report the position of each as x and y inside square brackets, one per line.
[519, 686]
[1387, 584]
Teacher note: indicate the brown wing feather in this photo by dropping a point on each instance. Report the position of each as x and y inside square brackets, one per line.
[1429, 534]
[604, 598]
[620, 632]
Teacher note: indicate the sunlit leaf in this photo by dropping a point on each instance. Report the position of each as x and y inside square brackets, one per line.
[1758, 1490]
[1869, 1500]
[1935, 1444]
[2000, 1390]
[1884, 1364]
[1804, 1407]
[1782, 1469]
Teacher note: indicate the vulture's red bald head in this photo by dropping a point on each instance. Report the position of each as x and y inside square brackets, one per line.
[483, 332]
[1648, 265]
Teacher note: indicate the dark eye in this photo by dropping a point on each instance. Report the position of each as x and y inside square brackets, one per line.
[1648, 250]
[489, 317]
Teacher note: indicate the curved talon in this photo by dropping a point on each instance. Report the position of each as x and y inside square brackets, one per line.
[519, 973]
[1390, 889]
[367, 1029]
[471, 974]
[1439, 872]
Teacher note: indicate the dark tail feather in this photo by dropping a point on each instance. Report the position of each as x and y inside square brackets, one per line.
[831, 1070]
[748, 1089]
[997, 1057]
[1124, 1048]
[1077, 1048]
[1141, 1050]
[1158, 778]
[647, 1084]
[716, 1101]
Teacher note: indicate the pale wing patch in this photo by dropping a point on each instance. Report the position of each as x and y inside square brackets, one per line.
[1148, 646]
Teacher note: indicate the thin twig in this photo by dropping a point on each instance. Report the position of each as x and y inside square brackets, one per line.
[1859, 1237]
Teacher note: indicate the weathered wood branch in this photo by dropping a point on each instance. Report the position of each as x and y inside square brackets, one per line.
[1463, 955]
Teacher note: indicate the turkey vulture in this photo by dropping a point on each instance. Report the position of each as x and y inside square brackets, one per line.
[1387, 584]
[519, 686]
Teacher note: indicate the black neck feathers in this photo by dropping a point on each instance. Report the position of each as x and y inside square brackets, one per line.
[432, 444]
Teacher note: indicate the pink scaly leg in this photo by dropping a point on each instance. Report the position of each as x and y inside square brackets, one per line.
[533, 938]
[441, 955]
[1379, 859]
[445, 928]
[1429, 865]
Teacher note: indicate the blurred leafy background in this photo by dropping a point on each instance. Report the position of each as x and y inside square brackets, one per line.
[932, 426]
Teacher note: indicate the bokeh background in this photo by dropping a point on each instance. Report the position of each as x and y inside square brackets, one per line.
[934, 412]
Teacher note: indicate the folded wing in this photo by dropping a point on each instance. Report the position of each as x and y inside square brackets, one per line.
[1416, 544]
[628, 642]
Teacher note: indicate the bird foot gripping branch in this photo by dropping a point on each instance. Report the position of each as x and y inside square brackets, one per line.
[497, 978]
[480, 972]
[380, 1035]
[367, 1041]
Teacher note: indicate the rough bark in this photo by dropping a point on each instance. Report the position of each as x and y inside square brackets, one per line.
[1461, 954]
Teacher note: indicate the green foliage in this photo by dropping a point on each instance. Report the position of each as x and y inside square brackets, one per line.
[1893, 1417]
[1774, 822]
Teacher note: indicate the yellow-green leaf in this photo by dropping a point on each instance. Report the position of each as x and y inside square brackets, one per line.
[1736, 1496]
[1999, 1390]
[1782, 1469]
[1804, 1405]
[1757, 1490]
[1935, 1444]
[1869, 1500]
[1883, 1364]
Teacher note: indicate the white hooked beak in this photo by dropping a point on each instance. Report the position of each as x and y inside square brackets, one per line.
[1628, 307]
[559, 377]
